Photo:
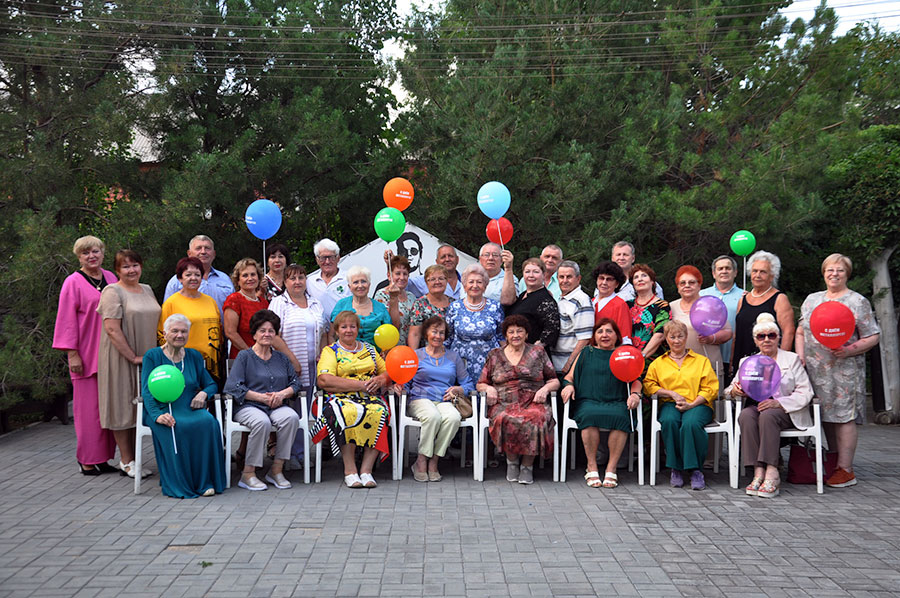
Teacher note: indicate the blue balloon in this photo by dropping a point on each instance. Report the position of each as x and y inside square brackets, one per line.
[263, 218]
[493, 199]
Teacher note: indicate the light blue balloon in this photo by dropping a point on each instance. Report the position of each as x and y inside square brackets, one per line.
[493, 199]
[263, 218]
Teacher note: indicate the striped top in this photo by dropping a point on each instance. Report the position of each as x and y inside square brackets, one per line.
[576, 322]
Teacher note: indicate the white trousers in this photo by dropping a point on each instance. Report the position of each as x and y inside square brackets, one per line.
[440, 422]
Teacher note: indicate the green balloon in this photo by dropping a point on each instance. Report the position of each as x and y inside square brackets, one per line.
[166, 383]
[389, 224]
[743, 242]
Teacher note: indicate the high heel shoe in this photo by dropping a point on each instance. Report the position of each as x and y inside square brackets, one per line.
[94, 470]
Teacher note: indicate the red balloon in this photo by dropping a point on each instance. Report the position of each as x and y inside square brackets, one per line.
[626, 363]
[499, 231]
[398, 193]
[402, 364]
[832, 323]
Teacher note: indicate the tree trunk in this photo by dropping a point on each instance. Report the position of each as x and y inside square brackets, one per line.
[883, 303]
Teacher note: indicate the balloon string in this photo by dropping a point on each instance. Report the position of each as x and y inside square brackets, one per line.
[499, 234]
[175, 444]
[264, 257]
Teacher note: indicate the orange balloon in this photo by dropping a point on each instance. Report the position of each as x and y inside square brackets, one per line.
[398, 193]
[402, 364]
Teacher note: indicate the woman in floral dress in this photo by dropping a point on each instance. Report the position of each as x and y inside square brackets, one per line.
[474, 321]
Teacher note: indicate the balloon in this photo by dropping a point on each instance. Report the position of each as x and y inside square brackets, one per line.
[263, 218]
[386, 336]
[626, 363]
[708, 315]
[760, 377]
[402, 363]
[832, 323]
[743, 242]
[499, 231]
[493, 199]
[389, 224]
[166, 383]
[398, 193]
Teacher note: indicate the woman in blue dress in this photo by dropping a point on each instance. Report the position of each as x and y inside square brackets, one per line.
[474, 321]
[191, 462]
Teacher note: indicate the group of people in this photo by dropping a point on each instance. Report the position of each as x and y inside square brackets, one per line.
[516, 341]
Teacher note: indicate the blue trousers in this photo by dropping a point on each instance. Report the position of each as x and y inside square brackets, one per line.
[686, 441]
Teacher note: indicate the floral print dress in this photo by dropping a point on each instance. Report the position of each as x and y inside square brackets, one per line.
[472, 334]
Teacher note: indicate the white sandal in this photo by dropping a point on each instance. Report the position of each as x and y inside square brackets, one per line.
[368, 481]
[353, 481]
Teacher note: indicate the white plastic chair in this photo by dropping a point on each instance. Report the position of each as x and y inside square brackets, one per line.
[140, 432]
[406, 421]
[815, 432]
[571, 428]
[483, 436]
[715, 427]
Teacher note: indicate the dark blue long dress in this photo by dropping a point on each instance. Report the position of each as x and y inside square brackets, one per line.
[200, 462]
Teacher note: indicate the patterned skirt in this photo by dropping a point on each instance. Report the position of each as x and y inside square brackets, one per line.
[522, 429]
[354, 418]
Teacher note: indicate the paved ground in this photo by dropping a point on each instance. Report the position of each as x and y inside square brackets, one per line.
[63, 534]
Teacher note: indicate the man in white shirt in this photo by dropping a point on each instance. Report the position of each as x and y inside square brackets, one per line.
[724, 270]
[449, 259]
[576, 318]
[489, 258]
[329, 285]
[623, 254]
[551, 257]
[215, 283]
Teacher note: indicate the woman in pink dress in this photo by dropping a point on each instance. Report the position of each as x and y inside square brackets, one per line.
[77, 332]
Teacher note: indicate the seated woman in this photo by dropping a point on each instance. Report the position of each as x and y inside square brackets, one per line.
[687, 386]
[602, 401]
[441, 377]
[261, 380]
[351, 373]
[371, 314]
[191, 462]
[517, 380]
[761, 423]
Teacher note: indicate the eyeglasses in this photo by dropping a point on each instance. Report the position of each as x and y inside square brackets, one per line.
[767, 335]
[490, 254]
[327, 258]
[602, 278]
[687, 283]
[436, 279]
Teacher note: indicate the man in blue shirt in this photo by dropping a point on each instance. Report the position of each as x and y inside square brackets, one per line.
[449, 259]
[215, 283]
[724, 270]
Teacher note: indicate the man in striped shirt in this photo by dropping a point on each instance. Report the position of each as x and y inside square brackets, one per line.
[576, 318]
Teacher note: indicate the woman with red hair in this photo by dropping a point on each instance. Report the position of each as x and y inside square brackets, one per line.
[689, 281]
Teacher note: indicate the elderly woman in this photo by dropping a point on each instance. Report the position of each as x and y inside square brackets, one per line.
[839, 375]
[474, 321]
[202, 311]
[187, 439]
[535, 302]
[517, 381]
[130, 313]
[352, 373]
[688, 280]
[608, 277]
[395, 296]
[761, 423]
[602, 401]
[765, 269]
[77, 332]
[649, 313]
[371, 314]
[433, 303]
[261, 380]
[686, 386]
[441, 377]
[240, 306]
[277, 259]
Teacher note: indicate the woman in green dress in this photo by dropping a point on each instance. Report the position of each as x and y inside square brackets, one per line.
[602, 401]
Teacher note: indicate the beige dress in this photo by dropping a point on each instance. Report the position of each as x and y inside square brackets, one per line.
[712, 352]
[117, 378]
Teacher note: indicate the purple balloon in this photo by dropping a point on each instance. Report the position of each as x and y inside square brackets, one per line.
[760, 377]
[708, 315]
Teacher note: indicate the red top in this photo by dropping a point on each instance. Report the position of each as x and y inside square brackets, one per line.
[244, 308]
[616, 310]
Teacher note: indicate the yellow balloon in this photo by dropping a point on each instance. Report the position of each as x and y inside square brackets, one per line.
[386, 336]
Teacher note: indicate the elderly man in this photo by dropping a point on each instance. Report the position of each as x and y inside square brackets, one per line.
[551, 257]
[448, 258]
[623, 254]
[576, 318]
[215, 283]
[489, 258]
[330, 284]
[724, 271]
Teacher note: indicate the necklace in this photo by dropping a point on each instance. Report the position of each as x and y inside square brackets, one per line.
[249, 297]
[97, 283]
[673, 356]
[645, 304]
[346, 348]
[180, 364]
[763, 294]
[474, 306]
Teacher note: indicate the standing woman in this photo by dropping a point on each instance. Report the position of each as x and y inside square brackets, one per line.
[395, 296]
[763, 297]
[240, 306]
[649, 313]
[433, 303]
[130, 313]
[474, 321]
[609, 277]
[371, 314]
[77, 332]
[838, 375]
[277, 259]
[535, 303]
[688, 280]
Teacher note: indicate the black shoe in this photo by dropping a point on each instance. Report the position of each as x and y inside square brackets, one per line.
[94, 470]
[106, 468]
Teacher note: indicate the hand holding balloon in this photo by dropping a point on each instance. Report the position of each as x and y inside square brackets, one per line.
[506, 258]
[166, 420]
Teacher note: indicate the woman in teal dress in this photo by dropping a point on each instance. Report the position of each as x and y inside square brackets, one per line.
[371, 314]
[601, 401]
[198, 466]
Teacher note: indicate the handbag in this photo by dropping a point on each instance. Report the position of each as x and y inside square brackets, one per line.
[463, 404]
[802, 463]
